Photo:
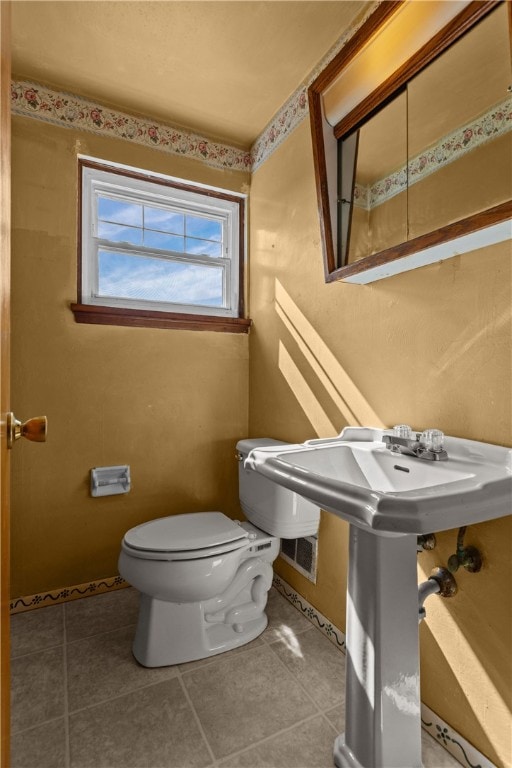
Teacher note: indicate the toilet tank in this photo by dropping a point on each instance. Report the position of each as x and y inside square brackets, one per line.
[269, 506]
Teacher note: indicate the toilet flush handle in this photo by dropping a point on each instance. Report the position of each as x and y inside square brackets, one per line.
[34, 429]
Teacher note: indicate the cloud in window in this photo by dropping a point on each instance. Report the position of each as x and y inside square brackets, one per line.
[133, 277]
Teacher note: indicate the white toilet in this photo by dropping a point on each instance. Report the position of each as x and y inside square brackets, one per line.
[203, 577]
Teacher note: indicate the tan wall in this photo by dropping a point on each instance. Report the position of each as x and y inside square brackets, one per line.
[429, 347]
[169, 403]
[474, 182]
[382, 227]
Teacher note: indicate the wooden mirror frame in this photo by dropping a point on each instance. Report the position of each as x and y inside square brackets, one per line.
[461, 24]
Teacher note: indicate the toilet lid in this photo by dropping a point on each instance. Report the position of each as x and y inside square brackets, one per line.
[199, 530]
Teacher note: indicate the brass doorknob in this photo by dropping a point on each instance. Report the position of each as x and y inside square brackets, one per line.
[33, 429]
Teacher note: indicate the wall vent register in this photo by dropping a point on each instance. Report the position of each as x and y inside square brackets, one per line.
[301, 554]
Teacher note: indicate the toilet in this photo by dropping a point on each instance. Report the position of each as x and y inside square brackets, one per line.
[204, 578]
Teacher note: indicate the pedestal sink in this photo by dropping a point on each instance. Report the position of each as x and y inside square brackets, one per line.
[388, 499]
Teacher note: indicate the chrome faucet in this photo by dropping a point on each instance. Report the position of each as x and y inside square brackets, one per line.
[424, 445]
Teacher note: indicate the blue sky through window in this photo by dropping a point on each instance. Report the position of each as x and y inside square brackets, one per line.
[164, 220]
[126, 275]
[119, 211]
[118, 233]
[123, 275]
[122, 221]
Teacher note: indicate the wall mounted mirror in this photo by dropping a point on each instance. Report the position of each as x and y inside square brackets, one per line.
[420, 167]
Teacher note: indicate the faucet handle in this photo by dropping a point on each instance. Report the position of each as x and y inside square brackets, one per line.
[404, 431]
[432, 440]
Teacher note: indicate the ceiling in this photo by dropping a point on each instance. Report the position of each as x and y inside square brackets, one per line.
[221, 68]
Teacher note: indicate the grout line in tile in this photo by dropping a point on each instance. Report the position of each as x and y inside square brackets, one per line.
[67, 758]
[240, 651]
[255, 649]
[303, 687]
[333, 727]
[16, 731]
[221, 657]
[98, 634]
[269, 738]
[138, 688]
[198, 721]
[39, 650]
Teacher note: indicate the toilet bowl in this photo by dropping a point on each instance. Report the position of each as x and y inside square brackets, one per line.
[204, 578]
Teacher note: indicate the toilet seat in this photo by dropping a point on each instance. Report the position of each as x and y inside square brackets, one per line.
[186, 537]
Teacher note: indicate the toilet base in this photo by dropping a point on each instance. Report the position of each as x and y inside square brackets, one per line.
[175, 633]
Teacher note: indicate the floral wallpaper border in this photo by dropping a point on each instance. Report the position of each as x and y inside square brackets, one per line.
[455, 744]
[491, 125]
[30, 99]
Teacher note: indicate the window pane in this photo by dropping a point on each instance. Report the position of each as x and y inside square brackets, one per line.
[208, 229]
[119, 234]
[122, 275]
[120, 211]
[163, 241]
[165, 221]
[202, 247]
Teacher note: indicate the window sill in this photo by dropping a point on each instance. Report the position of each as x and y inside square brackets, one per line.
[141, 318]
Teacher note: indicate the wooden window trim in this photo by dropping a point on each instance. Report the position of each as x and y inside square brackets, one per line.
[140, 318]
[145, 318]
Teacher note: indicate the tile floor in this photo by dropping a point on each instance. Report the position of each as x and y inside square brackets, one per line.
[79, 700]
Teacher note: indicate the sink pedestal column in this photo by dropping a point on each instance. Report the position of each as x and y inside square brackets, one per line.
[383, 723]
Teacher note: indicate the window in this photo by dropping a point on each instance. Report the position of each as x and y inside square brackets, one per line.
[158, 252]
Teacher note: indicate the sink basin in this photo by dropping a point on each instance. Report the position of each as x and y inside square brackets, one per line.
[357, 478]
[388, 499]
